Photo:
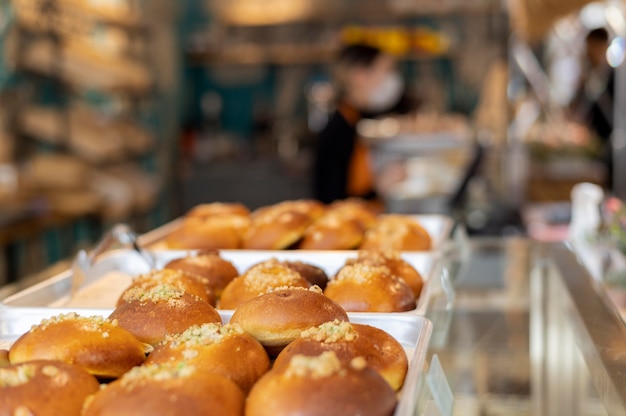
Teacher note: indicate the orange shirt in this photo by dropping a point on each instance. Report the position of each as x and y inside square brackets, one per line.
[360, 175]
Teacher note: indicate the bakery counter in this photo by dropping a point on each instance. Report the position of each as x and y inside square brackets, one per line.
[530, 333]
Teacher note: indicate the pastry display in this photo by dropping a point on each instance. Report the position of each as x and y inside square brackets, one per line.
[397, 232]
[175, 278]
[209, 268]
[257, 281]
[179, 389]
[379, 349]
[278, 317]
[151, 314]
[364, 288]
[100, 346]
[226, 350]
[303, 224]
[322, 386]
[45, 387]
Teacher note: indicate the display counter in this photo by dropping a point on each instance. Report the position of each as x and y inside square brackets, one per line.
[521, 328]
[530, 333]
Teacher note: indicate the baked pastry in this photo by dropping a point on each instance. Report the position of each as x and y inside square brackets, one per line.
[363, 288]
[164, 309]
[278, 317]
[226, 350]
[4, 358]
[379, 349]
[313, 274]
[218, 209]
[396, 265]
[45, 387]
[332, 232]
[179, 389]
[280, 226]
[356, 210]
[101, 346]
[258, 280]
[209, 268]
[397, 232]
[176, 278]
[322, 386]
[209, 233]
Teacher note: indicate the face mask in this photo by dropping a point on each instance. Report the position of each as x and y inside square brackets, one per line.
[386, 94]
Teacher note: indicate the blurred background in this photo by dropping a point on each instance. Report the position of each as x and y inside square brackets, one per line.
[135, 111]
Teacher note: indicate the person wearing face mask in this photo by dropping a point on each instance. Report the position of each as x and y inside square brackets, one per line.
[367, 85]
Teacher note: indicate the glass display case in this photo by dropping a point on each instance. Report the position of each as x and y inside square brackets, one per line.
[531, 332]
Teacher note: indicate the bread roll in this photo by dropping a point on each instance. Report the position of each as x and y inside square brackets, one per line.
[322, 386]
[4, 358]
[218, 209]
[176, 278]
[257, 281]
[276, 230]
[179, 389]
[313, 274]
[44, 387]
[152, 314]
[210, 233]
[277, 318]
[396, 265]
[209, 268]
[354, 210]
[332, 232]
[379, 349]
[364, 288]
[226, 350]
[397, 232]
[101, 346]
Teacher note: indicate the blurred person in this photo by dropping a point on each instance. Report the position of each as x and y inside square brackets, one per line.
[593, 103]
[367, 84]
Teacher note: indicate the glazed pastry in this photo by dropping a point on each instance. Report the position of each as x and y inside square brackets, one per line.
[397, 232]
[209, 268]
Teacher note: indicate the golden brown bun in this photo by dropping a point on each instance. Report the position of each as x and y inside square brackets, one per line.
[355, 210]
[313, 274]
[225, 350]
[396, 265]
[276, 230]
[380, 350]
[277, 318]
[311, 208]
[44, 387]
[168, 390]
[209, 233]
[177, 278]
[332, 233]
[364, 288]
[212, 270]
[4, 358]
[321, 386]
[257, 281]
[163, 310]
[218, 208]
[397, 232]
[102, 347]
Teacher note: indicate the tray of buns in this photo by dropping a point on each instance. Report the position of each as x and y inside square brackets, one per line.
[359, 281]
[301, 225]
[335, 363]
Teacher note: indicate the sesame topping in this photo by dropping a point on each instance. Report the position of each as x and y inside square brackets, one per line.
[169, 276]
[160, 292]
[157, 372]
[270, 274]
[322, 366]
[380, 256]
[16, 376]
[205, 334]
[361, 273]
[330, 332]
[90, 323]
